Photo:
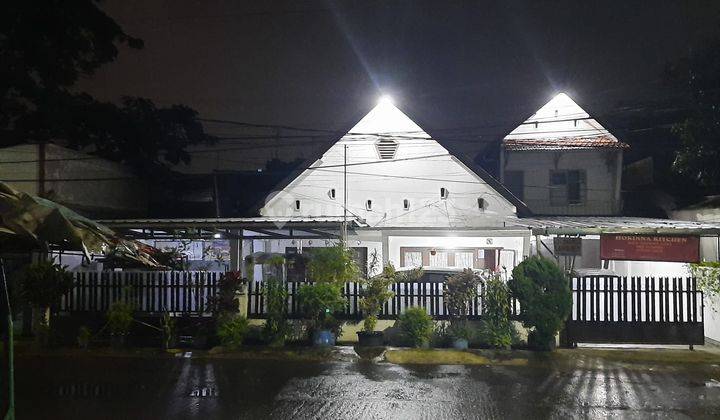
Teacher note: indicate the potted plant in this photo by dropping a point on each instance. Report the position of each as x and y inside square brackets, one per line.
[545, 299]
[373, 297]
[329, 268]
[460, 289]
[231, 330]
[119, 321]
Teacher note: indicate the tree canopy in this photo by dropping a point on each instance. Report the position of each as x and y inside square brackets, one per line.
[699, 153]
[46, 46]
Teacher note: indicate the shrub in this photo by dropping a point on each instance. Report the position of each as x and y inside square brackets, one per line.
[460, 289]
[226, 298]
[120, 318]
[460, 331]
[375, 294]
[168, 327]
[319, 302]
[497, 329]
[231, 330]
[545, 299]
[416, 325]
[276, 327]
[83, 337]
[43, 283]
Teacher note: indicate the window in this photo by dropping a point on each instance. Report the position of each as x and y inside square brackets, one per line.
[297, 205]
[515, 182]
[481, 203]
[368, 205]
[406, 204]
[386, 148]
[567, 187]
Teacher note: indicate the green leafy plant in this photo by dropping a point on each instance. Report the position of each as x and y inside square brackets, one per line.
[545, 299]
[332, 265]
[276, 327]
[168, 326]
[226, 300]
[120, 318]
[319, 302]
[83, 337]
[375, 294]
[707, 274]
[43, 283]
[416, 325]
[459, 291]
[496, 327]
[231, 330]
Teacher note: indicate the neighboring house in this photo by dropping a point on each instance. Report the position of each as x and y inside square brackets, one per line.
[419, 204]
[560, 161]
[90, 185]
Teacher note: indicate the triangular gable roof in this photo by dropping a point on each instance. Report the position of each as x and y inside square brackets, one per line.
[385, 119]
[561, 124]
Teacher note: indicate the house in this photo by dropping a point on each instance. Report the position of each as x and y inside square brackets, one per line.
[417, 203]
[90, 185]
[561, 161]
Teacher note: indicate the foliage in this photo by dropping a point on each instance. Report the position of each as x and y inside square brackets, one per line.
[333, 265]
[120, 318]
[168, 326]
[708, 277]
[319, 302]
[45, 48]
[416, 325]
[231, 282]
[44, 283]
[460, 331]
[460, 290]
[375, 294]
[699, 76]
[231, 330]
[83, 337]
[497, 329]
[276, 327]
[545, 298]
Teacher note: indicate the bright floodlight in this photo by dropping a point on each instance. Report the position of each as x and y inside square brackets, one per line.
[385, 100]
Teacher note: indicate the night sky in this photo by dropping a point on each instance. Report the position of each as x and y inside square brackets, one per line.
[467, 71]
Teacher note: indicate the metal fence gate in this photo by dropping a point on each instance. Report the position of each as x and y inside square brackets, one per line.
[642, 310]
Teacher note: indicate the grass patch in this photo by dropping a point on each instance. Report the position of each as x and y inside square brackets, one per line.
[434, 357]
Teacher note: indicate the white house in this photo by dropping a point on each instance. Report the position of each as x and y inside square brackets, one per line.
[418, 205]
[561, 161]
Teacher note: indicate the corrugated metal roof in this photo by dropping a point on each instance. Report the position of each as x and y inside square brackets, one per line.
[565, 143]
[568, 225]
[229, 222]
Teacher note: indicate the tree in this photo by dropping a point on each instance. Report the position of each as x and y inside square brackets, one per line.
[46, 46]
[699, 133]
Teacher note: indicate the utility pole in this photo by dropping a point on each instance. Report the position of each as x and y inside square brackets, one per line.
[345, 201]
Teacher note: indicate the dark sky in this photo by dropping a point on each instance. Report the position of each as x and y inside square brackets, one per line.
[448, 64]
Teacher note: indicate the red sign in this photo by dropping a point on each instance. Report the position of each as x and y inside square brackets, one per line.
[650, 248]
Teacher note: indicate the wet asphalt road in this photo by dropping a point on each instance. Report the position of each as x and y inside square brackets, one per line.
[136, 388]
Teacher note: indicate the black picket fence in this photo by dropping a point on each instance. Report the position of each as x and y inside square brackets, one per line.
[178, 292]
[428, 295]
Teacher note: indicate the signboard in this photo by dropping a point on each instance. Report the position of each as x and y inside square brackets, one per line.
[650, 248]
[568, 246]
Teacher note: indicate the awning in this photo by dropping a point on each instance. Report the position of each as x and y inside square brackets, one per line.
[234, 228]
[595, 225]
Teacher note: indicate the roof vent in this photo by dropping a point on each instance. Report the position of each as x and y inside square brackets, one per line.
[387, 148]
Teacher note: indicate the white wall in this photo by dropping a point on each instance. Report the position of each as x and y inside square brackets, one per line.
[72, 180]
[421, 167]
[601, 174]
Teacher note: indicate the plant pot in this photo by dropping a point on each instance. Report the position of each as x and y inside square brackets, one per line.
[460, 344]
[323, 338]
[370, 338]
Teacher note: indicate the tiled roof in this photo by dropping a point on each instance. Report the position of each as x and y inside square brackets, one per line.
[565, 143]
